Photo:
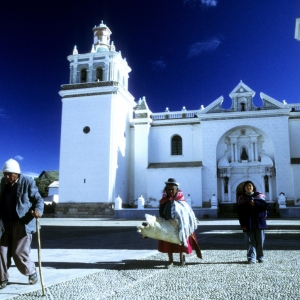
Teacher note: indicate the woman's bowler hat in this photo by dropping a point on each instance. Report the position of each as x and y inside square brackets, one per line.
[172, 181]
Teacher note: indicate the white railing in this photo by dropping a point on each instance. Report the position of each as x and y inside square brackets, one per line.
[175, 115]
[193, 113]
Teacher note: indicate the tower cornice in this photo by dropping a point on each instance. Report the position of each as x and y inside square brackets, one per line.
[87, 85]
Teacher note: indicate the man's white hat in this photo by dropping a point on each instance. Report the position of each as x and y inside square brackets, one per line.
[11, 166]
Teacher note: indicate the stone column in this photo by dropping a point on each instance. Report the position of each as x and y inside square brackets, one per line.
[229, 190]
[252, 151]
[236, 153]
[223, 189]
[232, 152]
[90, 73]
[71, 74]
[255, 152]
[270, 189]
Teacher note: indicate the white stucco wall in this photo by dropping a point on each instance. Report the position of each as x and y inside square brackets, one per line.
[139, 162]
[160, 143]
[85, 157]
[278, 130]
[294, 134]
[189, 179]
[120, 148]
[296, 181]
[90, 163]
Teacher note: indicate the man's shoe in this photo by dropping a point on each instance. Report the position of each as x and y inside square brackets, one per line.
[3, 284]
[260, 261]
[33, 278]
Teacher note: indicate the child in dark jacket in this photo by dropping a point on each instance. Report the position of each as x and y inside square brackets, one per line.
[252, 213]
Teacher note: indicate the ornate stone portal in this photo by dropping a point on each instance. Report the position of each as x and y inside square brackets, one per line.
[245, 159]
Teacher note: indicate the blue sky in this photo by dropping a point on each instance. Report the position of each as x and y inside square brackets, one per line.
[182, 53]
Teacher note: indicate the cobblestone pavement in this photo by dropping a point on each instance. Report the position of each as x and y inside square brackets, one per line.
[222, 273]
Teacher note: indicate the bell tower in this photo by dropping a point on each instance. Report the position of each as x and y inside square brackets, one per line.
[96, 112]
[102, 37]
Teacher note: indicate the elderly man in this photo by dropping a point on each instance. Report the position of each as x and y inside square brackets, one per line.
[20, 203]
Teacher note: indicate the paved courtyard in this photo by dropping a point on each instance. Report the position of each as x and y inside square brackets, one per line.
[108, 259]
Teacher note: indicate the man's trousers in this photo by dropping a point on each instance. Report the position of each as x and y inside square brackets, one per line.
[16, 244]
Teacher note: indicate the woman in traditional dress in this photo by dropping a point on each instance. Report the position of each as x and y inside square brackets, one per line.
[174, 206]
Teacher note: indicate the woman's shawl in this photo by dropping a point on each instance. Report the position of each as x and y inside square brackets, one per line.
[182, 212]
[179, 197]
[247, 197]
[187, 221]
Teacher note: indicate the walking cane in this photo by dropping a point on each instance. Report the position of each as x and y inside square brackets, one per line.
[39, 255]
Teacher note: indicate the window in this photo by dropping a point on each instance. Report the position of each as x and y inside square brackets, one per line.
[83, 75]
[99, 74]
[176, 145]
[86, 129]
[244, 154]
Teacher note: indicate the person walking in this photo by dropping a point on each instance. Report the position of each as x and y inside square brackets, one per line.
[20, 204]
[252, 213]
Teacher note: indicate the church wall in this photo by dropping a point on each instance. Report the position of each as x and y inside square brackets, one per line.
[294, 125]
[276, 128]
[131, 175]
[77, 174]
[160, 143]
[211, 133]
[121, 143]
[189, 179]
[296, 181]
[294, 133]
[139, 162]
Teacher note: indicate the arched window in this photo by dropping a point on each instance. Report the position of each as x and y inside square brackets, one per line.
[244, 154]
[99, 74]
[83, 75]
[176, 145]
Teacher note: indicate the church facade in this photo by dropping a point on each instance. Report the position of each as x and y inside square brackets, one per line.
[112, 145]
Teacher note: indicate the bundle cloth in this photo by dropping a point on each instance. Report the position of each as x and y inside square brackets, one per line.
[187, 222]
[160, 229]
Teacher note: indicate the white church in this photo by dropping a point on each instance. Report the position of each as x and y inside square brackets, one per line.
[113, 147]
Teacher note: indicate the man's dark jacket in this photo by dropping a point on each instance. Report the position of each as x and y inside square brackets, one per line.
[28, 198]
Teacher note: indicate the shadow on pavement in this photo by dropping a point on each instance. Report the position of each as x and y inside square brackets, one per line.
[285, 237]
